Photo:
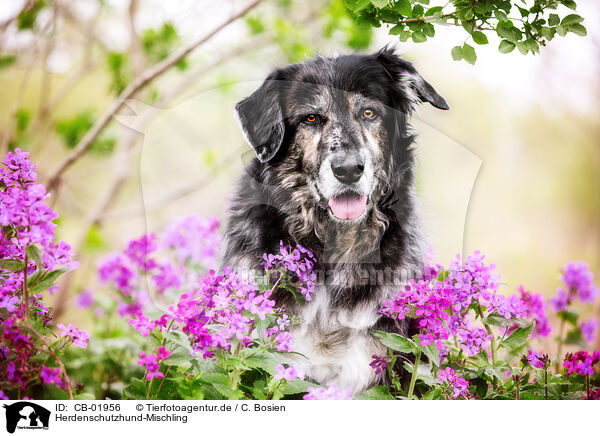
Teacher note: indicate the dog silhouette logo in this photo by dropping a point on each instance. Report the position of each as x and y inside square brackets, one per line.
[26, 415]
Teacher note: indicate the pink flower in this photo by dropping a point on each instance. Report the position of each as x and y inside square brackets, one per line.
[289, 373]
[330, 393]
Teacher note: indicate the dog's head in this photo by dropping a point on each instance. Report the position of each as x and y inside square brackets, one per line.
[339, 125]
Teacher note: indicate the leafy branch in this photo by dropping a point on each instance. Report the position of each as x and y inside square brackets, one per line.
[535, 25]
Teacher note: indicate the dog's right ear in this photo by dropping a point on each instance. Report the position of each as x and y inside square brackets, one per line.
[261, 119]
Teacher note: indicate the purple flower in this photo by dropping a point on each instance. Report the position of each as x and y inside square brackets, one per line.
[581, 362]
[284, 341]
[473, 340]
[534, 304]
[85, 300]
[456, 386]
[298, 262]
[537, 360]
[330, 393]
[51, 375]
[194, 240]
[150, 361]
[162, 353]
[289, 373]
[80, 338]
[142, 324]
[560, 301]
[379, 363]
[588, 329]
[578, 278]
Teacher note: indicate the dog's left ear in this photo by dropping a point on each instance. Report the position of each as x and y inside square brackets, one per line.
[261, 119]
[403, 72]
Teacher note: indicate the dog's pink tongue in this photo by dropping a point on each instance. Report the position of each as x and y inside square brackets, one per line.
[348, 208]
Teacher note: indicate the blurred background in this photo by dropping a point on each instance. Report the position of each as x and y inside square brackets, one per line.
[513, 169]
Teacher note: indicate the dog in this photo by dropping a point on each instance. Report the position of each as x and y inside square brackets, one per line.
[334, 172]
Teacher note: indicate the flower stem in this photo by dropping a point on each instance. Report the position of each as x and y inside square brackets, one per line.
[413, 378]
[25, 290]
[560, 343]
[545, 383]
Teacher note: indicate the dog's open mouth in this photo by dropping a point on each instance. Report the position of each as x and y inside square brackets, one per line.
[348, 206]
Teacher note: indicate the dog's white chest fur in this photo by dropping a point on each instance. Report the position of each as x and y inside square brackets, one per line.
[337, 343]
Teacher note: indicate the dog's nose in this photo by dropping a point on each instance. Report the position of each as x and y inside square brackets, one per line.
[347, 169]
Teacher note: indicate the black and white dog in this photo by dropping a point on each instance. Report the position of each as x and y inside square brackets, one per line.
[334, 173]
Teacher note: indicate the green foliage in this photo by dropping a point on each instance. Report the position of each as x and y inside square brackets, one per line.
[521, 25]
[71, 130]
[159, 43]
[338, 21]
[119, 68]
[28, 16]
[7, 60]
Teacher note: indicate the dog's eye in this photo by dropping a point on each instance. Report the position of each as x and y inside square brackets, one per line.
[311, 118]
[368, 113]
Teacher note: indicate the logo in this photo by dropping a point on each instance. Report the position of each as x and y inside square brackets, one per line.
[26, 415]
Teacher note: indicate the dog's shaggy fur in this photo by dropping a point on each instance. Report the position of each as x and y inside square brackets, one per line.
[304, 119]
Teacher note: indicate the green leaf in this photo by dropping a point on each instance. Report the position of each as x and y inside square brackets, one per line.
[569, 3]
[432, 353]
[403, 7]
[12, 264]
[47, 280]
[380, 3]
[456, 53]
[468, 53]
[553, 20]
[574, 337]
[577, 29]
[435, 394]
[34, 253]
[479, 38]
[548, 33]
[518, 338]
[396, 342]
[417, 11]
[562, 31]
[571, 19]
[501, 16]
[297, 386]
[397, 29]
[419, 37]
[375, 393]
[569, 316]
[255, 25]
[361, 4]
[136, 390]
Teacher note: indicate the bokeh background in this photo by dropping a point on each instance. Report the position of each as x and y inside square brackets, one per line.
[513, 169]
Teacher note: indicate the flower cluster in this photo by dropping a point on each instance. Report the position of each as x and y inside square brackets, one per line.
[588, 329]
[535, 309]
[578, 281]
[30, 262]
[194, 240]
[218, 314]
[289, 373]
[537, 360]
[379, 363]
[440, 303]
[189, 245]
[297, 262]
[79, 337]
[332, 392]
[152, 362]
[455, 386]
[581, 362]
